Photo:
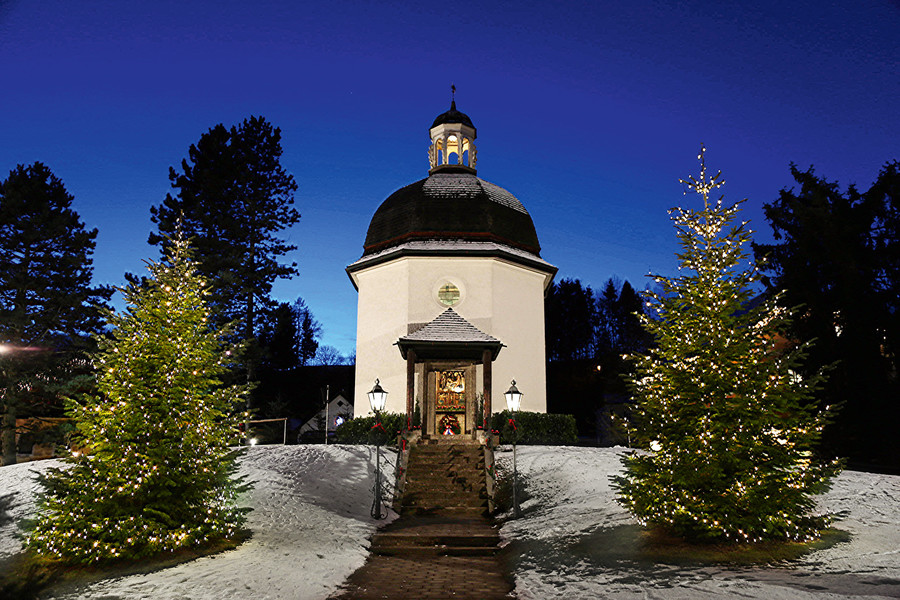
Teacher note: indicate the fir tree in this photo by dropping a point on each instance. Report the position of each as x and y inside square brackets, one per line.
[233, 199]
[730, 426]
[837, 253]
[48, 308]
[157, 472]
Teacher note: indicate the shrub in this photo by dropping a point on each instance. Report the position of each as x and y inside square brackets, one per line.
[536, 428]
[359, 430]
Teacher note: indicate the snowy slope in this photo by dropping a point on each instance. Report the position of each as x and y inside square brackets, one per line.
[574, 541]
[310, 524]
[311, 528]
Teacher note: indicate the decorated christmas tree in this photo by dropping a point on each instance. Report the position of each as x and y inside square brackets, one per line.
[155, 472]
[729, 424]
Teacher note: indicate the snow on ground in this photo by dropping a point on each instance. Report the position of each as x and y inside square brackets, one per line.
[311, 530]
[574, 541]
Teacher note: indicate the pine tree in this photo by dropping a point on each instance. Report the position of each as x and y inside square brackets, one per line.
[309, 330]
[837, 253]
[48, 308]
[157, 473]
[279, 340]
[233, 198]
[731, 428]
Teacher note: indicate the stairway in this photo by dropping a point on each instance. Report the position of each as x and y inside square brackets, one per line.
[432, 535]
[445, 479]
[443, 506]
[444, 544]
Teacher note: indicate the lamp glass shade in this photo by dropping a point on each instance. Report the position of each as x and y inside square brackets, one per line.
[513, 398]
[377, 397]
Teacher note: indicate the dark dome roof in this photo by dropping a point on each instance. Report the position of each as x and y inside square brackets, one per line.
[451, 205]
[452, 116]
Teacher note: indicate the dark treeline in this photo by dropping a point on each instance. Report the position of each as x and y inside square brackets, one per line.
[584, 324]
[587, 334]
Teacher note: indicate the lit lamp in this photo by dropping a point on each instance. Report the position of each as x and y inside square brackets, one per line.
[377, 400]
[513, 398]
[513, 403]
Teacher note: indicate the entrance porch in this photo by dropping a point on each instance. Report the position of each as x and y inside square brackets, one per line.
[443, 356]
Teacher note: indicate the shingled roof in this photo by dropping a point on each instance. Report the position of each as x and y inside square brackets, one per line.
[449, 335]
[451, 205]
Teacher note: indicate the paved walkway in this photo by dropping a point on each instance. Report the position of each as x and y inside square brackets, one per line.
[432, 557]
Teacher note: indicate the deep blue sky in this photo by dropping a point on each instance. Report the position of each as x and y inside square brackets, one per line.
[588, 111]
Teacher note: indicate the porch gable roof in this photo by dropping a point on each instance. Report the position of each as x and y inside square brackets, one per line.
[449, 335]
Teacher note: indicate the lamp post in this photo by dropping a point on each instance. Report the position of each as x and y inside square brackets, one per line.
[377, 399]
[513, 402]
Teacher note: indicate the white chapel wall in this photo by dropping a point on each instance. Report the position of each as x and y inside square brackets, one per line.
[381, 319]
[500, 298]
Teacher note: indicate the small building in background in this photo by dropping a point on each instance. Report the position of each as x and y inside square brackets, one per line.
[338, 410]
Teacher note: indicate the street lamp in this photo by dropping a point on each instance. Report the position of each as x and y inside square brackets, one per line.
[377, 399]
[513, 403]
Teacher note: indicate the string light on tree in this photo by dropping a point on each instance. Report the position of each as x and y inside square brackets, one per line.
[730, 429]
[157, 473]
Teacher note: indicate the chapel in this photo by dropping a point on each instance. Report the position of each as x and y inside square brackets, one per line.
[451, 288]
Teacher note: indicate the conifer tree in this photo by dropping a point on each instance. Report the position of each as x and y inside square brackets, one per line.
[731, 428]
[157, 472]
[48, 308]
[234, 198]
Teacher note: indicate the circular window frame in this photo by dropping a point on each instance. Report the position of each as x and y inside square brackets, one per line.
[440, 284]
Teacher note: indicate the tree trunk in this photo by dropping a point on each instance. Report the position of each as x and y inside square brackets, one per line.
[8, 436]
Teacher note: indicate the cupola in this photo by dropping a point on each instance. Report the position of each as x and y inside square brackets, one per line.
[452, 142]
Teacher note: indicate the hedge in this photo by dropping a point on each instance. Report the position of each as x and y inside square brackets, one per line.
[531, 428]
[359, 429]
[538, 429]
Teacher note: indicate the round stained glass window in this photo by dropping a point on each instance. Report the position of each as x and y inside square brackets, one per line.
[448, 294]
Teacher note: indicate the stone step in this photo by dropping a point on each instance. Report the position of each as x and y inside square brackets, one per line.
[446, 466]
[448, 440]
[442, 502]
[440, 460]
[443, 456]
[444, 470]
[446, 511]
[445, 485]
[434, 503]
[448, 475]
[445, 493]
[443, 448]
[445, 462]
[385, 540]
[449, 485]
[442, 453]
[435, 550]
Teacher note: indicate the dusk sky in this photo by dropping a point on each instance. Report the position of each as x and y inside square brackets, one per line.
[589, 112]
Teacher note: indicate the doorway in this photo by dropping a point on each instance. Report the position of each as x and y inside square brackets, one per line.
[450, 397]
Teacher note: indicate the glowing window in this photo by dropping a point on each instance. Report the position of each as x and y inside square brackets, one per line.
[448, 294]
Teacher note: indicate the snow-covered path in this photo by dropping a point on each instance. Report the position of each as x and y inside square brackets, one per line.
[311, 530]
[574, 541]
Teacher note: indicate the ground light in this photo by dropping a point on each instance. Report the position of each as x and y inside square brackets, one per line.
[513, 403]
[377, 399]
